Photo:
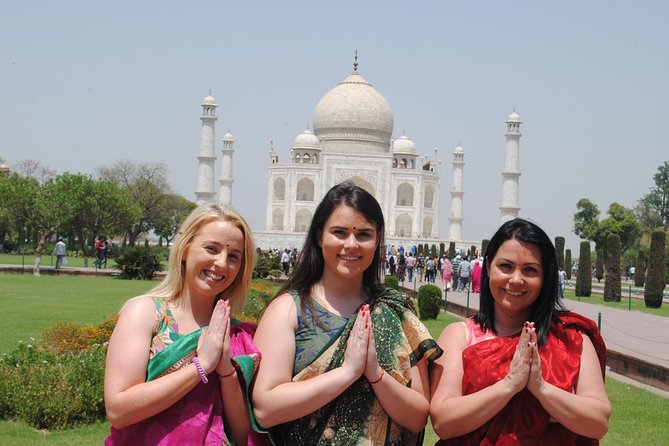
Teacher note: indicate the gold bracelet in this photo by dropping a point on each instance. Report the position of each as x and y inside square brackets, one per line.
[380, 377]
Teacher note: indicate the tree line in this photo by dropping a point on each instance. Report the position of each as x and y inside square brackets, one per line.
[626, 238]
[121, 201]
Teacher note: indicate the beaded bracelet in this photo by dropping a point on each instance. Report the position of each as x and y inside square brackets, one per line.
[380, 377]
[200, 370]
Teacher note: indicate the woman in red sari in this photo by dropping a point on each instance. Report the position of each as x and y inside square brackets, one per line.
[523, 370]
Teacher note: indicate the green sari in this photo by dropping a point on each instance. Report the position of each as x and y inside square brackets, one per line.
[356, 417]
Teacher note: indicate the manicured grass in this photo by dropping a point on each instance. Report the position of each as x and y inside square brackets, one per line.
[31, 304]
[47, 260]
[20, 434]
[637, 303]
[436, 326]
[639, 417]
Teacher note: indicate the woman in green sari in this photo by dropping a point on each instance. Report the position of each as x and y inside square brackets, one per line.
[344, 359]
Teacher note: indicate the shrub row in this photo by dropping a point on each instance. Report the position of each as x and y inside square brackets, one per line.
[58, 383]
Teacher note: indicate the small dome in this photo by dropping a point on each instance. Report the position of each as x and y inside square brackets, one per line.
[209, 100]
[513, 117]
[228, 137]
[306, 140]
[459, 149]
[404, 144]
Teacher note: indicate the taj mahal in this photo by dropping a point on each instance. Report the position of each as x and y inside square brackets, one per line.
[352, 140]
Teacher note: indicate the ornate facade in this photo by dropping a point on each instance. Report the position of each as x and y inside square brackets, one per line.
[351, 141]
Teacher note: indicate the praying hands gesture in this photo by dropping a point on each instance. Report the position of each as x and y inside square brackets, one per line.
[213, 348]
[526, 363]
[402, 403]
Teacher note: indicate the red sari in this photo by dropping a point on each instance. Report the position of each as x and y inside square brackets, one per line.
[523, 421]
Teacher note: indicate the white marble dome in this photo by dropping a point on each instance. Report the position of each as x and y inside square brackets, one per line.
[404, 144]
[354, 110]
[513, 117]
[459, 149]
[306, 140]
[228, 137]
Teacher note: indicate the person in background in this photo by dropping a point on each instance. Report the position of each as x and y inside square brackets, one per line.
[401, 268]
[99, 252]
[285, 261]
[59, 251]
[476, 275]
[345, 360]
[411, 263]
[464, 271]
[420, 267]
[562, 278]
[105, 253]
[447, 275]
[523, 370]
[178, 365]
[38, 258]
[456, 271]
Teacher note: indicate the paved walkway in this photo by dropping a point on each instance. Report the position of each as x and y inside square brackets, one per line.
[640, 335]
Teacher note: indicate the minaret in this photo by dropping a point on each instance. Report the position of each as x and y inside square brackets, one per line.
[225, 191]
[205, 176]
[510, 204]
[457, 192]
[273, 156]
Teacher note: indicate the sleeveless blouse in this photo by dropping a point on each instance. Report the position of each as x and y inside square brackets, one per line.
[311, 339]
[475, 334]
[166, 329]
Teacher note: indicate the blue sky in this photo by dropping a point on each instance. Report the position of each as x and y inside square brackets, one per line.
[89, 83]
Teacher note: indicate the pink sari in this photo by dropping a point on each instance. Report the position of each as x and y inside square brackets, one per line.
[197, 418]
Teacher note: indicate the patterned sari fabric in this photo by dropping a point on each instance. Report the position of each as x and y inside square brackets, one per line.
[197, 418]
[523, 421]
[356, 416]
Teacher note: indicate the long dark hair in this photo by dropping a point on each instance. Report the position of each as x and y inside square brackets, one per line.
[309, 268]
[547, 307]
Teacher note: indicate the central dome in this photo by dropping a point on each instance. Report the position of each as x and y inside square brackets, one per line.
[354, 111]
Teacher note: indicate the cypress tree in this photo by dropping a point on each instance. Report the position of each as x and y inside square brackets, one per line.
[472, 250]
[612, 283]
[433, 251]
[419, 250]
[656, 279]
[484, 246]
[584, 276]
[640, 269]
[567, 263]
[451, 250]
[559, 249]
[599, 266]
[442, 249]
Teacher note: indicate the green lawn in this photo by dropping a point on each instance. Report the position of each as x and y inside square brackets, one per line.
[636, 301]
[47, 260]
[30, 304]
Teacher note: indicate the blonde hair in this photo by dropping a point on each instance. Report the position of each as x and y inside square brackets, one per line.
[172, 286]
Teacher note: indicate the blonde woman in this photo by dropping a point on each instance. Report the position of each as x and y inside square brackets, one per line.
[175, 359]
